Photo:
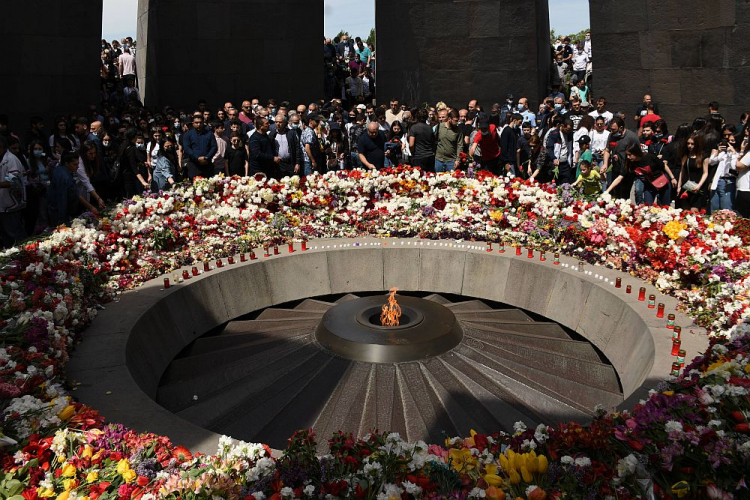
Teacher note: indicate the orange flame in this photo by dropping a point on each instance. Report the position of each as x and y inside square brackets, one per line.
[391, 312]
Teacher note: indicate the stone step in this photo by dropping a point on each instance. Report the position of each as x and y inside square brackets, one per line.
[567, 393]
[287, 314]
[468, 305]
[193, 367]
[493, 316]
[551, 330]
[291, 403]
[314, 305]
[178, 394]
[209, 344]
[346, 298]
[269, 325]
[593, 374]
[564, 347]
[438, 298]
[533, 397]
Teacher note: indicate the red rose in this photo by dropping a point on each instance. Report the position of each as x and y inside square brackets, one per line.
[744, 428]
[738, 416]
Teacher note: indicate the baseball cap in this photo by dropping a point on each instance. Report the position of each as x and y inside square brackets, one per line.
[584, 140]
[361, 106]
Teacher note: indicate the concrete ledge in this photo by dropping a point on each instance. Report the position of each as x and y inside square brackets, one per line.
[130, 345]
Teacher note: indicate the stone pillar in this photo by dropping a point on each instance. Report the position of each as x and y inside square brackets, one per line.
[229, 50]
[456, 50]
[684, 53]
[50, 61]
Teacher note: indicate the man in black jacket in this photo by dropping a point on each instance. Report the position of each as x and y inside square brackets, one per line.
[287, 146]
[509, 144]
[262, 158]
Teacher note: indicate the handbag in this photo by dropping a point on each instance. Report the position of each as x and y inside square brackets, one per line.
[660, 181]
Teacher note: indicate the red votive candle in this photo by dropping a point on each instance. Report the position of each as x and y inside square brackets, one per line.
[185, 275]
[530, 255]
[489, 246]
[677, 332]
[651, 301]
[642, 294]
[195, 271]
[266, 251]
[618, 283]
[304, 245]
[206, 267]
[676, 346]
[166, 283]
[243, 257]
[670, 321]
[219, 263]
[557, 258]
[291, 247]
[276, 249]
[230, 259]
[543, 256]
[518, 250]
[681, 357]
[252, 255]
[675, 369]
[660, 311]
[502, 247]
[628, 289]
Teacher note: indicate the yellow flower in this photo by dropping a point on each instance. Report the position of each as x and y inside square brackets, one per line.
[63, 496]
[129, 476]
[504, 463]
[526, 475]
[493, 493]
[681, 489]
[45, 493]
[672, 229]
[491, 476]
[513, 477]
[668, 393]
[69, 484]
[67, 412]
[123, 466]
[747, 368]
[496, 215]
[461, 460]
[92, 477]
[87, 452]
[531, 464]
[543, 464]
[68, 470]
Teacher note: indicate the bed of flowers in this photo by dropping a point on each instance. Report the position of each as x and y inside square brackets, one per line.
[689, 439]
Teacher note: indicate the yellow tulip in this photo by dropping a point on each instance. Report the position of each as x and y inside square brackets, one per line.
[504, 463]
[129, 476]
[543, 464]
[69, 484]
[45, 493]
[493, 493]
[514, 478]
[526, 475]
[462, 460]
[67, 412]
[123, 466]
[68, 470]
[87, 452]
[519, 461]
[531, 464]
[92, 477]
[63, 496]
[491, 476]
[532, 454]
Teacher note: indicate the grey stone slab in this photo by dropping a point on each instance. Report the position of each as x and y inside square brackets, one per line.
[486, 277]
[296, 276]
[441, 270]
[356, 270]
[401, 269]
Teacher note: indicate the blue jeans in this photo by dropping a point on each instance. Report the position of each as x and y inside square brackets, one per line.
[355, 161]
[651, 195]
[444, 166]
[722, 198]
[308, 168]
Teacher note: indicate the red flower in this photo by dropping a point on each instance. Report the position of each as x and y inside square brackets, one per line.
[182, 454]
[744, 428]
[738, 416]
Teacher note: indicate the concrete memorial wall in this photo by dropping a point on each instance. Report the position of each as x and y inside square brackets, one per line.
[221, 50]
[50, 62]
[456, 50]
[685, 53]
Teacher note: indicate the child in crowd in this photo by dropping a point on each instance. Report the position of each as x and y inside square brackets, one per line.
[589, 179]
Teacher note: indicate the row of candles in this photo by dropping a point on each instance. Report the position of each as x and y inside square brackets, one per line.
[677, 351]
[676, 330]
[186, 275]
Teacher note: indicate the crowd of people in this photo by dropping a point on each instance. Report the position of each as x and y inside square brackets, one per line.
[119, 148]
[349, 69]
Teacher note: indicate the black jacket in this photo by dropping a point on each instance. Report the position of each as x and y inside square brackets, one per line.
[340, 48]
[261, 154]
[295, 146]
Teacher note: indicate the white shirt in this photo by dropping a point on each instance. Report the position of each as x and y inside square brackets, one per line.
[577, 135]
[599, 140]
[83, 182]
[11, 170]
[580, 60]
[725, 161]
[743, 180]
[128, 64]
[607, 116]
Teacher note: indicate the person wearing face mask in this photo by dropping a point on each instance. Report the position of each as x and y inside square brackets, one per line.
[525, 112]
[506, 109]
[523, 153]
[134, 164]
[164, 171]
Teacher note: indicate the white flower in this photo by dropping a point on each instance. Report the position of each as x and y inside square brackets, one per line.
[673, 426]
[519, 427]
[567, 460]
[583, 462]
[626, 466]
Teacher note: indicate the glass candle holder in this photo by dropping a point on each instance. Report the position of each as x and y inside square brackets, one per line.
[304, 245]
[676, 343]
[557, 258]
[642, 294]
[243, 257]
[618, 283]
[219, 263]
[291, 247]
[681, 357]
[252, 255]
[206, 267]
[502, 247]
[166, 283]
[230, 259]
[530, 254]
[518, 250]
[543, 256]
[185, 275]
[675, 369]
[489, 246]
[195, 271]
[660, 310]
[266, 251]
[629, 289]
[276, 249]
[676, 332]
[651, 301]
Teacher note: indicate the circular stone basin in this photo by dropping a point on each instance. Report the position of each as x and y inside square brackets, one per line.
[352, 330]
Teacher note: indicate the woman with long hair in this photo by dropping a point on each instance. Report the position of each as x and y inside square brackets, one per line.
[165, 167]
[692, 188]
[650, 172]
[60, 132]
[338, 148]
